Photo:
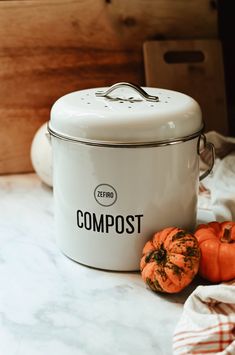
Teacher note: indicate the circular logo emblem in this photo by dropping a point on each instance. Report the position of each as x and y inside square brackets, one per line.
[105, 195]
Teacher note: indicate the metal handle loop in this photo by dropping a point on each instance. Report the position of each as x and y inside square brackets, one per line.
[137, 88]
[210, 147]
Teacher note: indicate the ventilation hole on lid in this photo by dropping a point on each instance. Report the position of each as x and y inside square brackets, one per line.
[166, 102]
[88, 103]
[82, 98]
[105, 106]
[151, 105]
[168, 97]
[121, 102]
[129, 106]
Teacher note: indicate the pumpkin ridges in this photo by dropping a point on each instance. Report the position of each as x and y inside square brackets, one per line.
[204, 231]
[186, 266]
[164, 281]
[178, 276]
[169, 287]
[218, 253]
[206, 267]
[224, 260]
[202, 226]
[215, 226]
[210, 228]
[148, 247]
[153, 285]
[148, 274]
[172, 271]
[148, 271]
[160, 237]
[173, 233]
[184, 246]
[175, 284]
[184, 262]
[142, 263]
[201, 238]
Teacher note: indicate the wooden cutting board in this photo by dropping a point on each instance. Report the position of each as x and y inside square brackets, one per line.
[194, 67]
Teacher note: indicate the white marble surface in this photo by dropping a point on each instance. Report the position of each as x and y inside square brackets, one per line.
[50, 305]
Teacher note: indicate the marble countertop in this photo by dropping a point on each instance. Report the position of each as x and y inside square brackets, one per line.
[50, 305]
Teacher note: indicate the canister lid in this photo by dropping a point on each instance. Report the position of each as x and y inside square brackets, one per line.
[125, 113]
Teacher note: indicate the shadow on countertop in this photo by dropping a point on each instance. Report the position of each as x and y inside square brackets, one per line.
[182, 296]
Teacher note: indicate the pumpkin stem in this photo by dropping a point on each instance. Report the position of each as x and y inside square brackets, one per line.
[160, 255]
[226, 238]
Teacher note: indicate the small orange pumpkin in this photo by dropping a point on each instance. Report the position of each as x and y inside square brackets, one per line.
[170, 260]
[217, 244]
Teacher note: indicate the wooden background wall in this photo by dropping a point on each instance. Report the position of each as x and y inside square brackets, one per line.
[51, 47]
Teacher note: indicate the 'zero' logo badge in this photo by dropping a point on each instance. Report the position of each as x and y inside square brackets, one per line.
[105, 195]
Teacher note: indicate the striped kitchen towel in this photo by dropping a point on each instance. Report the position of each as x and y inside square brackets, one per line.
[207, 325]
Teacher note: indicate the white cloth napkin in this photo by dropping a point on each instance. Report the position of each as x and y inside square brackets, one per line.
[207, 325]
[217, 191]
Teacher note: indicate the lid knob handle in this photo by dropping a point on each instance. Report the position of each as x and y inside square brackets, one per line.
[137, 88]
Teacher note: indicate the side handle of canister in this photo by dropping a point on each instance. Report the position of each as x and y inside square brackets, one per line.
[208, 147]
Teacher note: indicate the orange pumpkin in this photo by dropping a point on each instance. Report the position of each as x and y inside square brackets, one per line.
[170, 260]
[217, 244]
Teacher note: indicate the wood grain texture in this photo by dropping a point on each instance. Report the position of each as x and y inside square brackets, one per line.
[204, 80]
[49, 48]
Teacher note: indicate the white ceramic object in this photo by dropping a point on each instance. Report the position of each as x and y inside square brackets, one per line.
[125, 166]
[41, 155]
